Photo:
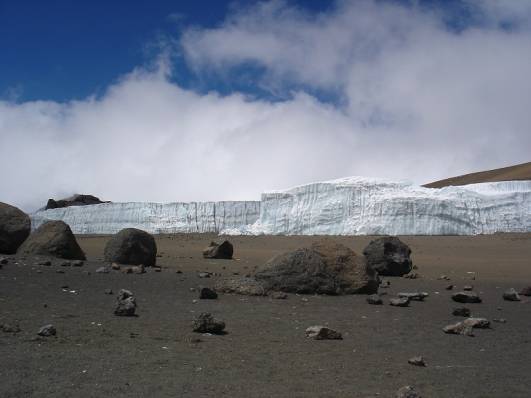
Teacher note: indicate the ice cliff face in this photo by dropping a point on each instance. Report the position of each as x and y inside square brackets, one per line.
[350, 206]
[110, 218]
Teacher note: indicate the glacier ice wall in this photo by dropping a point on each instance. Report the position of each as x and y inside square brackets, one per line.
[362, 206]
[349, 206]
[108, 218]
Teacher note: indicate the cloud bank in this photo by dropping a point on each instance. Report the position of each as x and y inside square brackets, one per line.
[417, 100]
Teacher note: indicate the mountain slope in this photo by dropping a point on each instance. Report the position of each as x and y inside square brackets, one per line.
[517, 172]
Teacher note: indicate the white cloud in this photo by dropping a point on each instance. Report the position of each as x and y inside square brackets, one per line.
[421, 103]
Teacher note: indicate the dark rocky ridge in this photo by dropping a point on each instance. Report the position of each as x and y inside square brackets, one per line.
[74, 200]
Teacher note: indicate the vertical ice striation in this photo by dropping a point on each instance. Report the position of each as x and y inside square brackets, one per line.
[349, 206]
[109, 218]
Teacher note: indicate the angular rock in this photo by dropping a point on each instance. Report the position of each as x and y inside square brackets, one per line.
[138, 269]
[75, 200]
[466, 297]
[4, 261]
[77, 263]
[102, 270]
[15, 227]
[47, 330]
[221, 250]
[461, 311]
[459, 328]
[126, 303]
[374, 299]
[53, 238]
[108, 291]
[407, 392]
[131, 246]
[416, 361]
[449, 287]
[206, 323]
[399, 302]
[241, 285]
[417, 296]
[389, 256]
[468, 288]
[326, 267]
[204, 274]
[411, 275]
[478, 323]
[511, 295]
[322, 333]
[207, 294]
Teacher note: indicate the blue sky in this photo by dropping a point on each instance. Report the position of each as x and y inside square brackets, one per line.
[62, 50]
[212, 100]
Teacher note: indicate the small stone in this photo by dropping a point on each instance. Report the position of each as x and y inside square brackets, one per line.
[407, 392]
[206, 293]
[322, 333]
[416, 361]
[468, 288]
[374, 299]
[511, 295]
[115, 266]
[417, 296]
[77, 263]
[461, 311]
[108, 291]
[59, 271]
[4, 261]
[66, 264]
[279, 295]
[206, 323]
[411, 275]
[466, 297]
[102, 270]
[126, 270]
[443, 277]
[204, 274]
[157, 269]
[138, 269]
[399, 302]
[449, 287]
[178, 271]
[47, 330]
[126, 305]
[45, 262]
[500, 320]
[459, 328]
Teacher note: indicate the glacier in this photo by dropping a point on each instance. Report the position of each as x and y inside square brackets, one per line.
[347, 206]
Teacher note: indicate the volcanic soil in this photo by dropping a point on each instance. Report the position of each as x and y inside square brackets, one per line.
[265, 352]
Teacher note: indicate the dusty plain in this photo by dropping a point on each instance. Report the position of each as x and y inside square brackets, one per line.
[265, 352]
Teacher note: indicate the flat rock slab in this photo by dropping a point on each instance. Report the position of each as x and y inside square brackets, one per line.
[47, 331]
[511, 295]
[399, 302]
[417, 296]
[241, 285]
[466, 297]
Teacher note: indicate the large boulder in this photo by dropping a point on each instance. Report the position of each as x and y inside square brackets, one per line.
[221, 250]
[131, 246]
[389, 256]
[15, 227]
[326, 267]
[75, 200]
[53, 238]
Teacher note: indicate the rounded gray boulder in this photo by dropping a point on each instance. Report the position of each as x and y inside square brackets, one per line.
[15, 227]
[55, 239]
[131, 246]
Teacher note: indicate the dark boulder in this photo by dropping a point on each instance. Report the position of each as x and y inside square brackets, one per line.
[131, 246]
[75, 200]
[206, 323]
[223, 250]
[15, 227]
[326, 267]
[126, 303]
[53, 238]
[466, 297]
[389, 256]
